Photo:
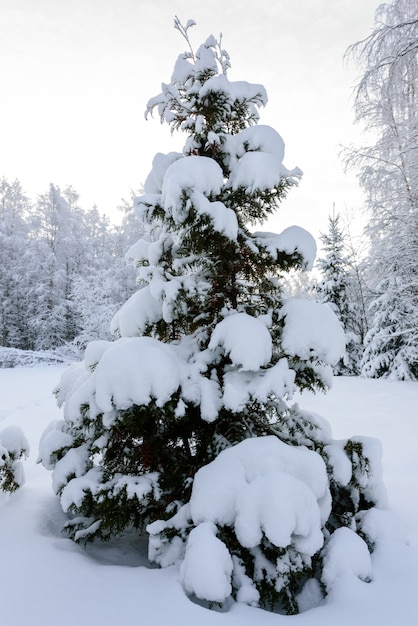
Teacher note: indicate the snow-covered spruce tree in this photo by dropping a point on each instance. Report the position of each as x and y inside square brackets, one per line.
[181, 426]
[333, 290]
[391, 345]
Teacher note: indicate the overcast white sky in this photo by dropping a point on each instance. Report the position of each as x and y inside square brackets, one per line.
[76, 75]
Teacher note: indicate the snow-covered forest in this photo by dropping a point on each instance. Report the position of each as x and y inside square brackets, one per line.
[62, 269]
[63, 274]
[180, 437]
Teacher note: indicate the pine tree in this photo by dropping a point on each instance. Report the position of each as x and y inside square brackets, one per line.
[53, 320]
[391, 345]
[181, 427]
[333, 290]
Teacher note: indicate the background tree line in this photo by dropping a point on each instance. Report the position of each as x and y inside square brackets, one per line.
[62, 268]
[386, 106]
[375, 294]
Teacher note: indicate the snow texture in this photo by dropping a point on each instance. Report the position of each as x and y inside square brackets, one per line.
[13, 446]
[236, 90]
[292, 239]
[138, 312]
[256, 159]
[161, 162]
[207, 566]
[13, 442]
[346, 555]
[245, 339]
[312, 330]
[53, 440]
[240, 386]
[33, 549]
[339, 461]
[246, 485]
[201, 175]
[136, 371]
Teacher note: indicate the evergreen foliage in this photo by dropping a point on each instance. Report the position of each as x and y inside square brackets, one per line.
[333, 289]
[194, 393]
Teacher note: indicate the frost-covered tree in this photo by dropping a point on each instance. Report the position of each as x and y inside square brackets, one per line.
[333, 289]
[391, 345]
[59, 240]
[15, 260]
[105, 281]
[357, 287]
[182, 426]
[62, 269]
[387, 106]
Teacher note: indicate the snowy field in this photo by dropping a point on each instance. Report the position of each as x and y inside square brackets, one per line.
[46, 579]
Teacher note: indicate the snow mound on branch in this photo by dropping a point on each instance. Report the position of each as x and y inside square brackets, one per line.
[197, 173]
[259, 138]
[263, 485]
[53, 439]
[207, 567]
[371, 481]
[256, 156]
[183, 70]
[202, 179]
[383, 527]
[138, 252]
[312, 330]
[13, 442]
[134, 371]
[241, 386]
[239, 90]
[94, 351]
[245, 338]
[260, 506]
[160, 163]
[13, 445]
[341, 465]
[140, 310]
[205, 59]
[224, 220]
[345, 555]
[256, 171]
[291, 240]
[259, 487]
[72, 464]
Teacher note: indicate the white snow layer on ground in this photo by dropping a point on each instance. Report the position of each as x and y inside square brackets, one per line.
[47, 579]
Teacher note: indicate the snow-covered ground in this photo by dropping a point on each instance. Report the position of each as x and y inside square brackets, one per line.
[46, 579]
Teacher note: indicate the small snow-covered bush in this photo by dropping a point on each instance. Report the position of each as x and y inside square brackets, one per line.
[184, 425]
[13, 446]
